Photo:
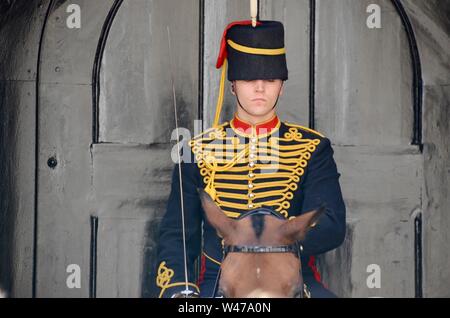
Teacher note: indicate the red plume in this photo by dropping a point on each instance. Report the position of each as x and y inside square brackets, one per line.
[223, 44]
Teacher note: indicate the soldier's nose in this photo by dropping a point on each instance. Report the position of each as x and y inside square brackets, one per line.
[259, 86]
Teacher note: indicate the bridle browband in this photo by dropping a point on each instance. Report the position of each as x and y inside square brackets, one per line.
[262, 249]
[292, 248]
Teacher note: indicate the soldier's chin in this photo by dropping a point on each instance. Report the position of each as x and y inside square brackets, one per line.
[259, 104]
[259, 110]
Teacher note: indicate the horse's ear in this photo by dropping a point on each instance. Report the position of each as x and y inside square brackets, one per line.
[297, 228]
[216, 217]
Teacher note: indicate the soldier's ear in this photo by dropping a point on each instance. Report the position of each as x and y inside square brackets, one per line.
[296, 229]
[224, 225]
[233, 88]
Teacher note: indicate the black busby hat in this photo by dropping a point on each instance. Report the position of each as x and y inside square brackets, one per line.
[256, 52]
[252, 53]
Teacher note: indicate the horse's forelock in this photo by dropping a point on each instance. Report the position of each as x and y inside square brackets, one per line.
[258, 224]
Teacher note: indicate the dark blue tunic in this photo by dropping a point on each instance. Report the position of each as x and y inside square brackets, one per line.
[293, 172]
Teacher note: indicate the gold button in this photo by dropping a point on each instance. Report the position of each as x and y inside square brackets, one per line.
[251, 175]
[251, 164]
[250, 206]
[252, 155]
[253, 140]
[250, 186]
[253, 147]
[251, 195]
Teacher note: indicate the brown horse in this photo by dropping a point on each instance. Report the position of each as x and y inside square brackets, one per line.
[262, 255]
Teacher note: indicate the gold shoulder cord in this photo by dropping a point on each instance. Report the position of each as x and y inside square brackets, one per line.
[207, 160]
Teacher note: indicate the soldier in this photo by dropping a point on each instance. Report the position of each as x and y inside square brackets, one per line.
[253, 161]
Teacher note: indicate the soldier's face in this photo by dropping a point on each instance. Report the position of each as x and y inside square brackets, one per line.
[258, 96]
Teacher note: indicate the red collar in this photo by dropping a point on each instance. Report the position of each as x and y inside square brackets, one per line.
[264, 128]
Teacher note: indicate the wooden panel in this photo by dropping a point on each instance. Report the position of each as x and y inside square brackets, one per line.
[382, 191]
[363, 75]
[65, 132]
[136, 103]
[131, 187]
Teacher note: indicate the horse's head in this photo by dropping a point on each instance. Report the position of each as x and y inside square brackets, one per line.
[262, 258]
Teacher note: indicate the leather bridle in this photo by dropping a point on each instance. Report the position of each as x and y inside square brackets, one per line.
[292, 248]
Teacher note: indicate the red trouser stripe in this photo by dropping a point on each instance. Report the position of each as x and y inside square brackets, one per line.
[201, 276]
[312, 265]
